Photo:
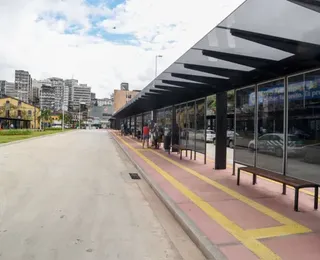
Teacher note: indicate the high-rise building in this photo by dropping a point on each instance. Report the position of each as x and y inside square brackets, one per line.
[81, 93]
[47, 97]
[8, 89]
[124, 86]
[36, 87]
[23, 85]
[70, 83]
[61, 94]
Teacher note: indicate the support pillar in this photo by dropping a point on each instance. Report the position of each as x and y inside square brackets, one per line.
[135, 125]
[154, 116]
[221, 131]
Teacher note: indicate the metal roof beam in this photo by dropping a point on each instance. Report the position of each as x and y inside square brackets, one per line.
[187, 84]
[202, 79]
[249, 61]
[287, 45]
[230, 73]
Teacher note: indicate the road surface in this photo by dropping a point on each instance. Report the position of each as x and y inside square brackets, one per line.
[69, 196]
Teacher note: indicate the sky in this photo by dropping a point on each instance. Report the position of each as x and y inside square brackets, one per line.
[102, 42]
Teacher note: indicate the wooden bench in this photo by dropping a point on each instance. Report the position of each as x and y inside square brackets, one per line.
[181, 148]
[285, 180]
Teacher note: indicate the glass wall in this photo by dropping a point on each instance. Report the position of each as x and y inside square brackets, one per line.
[168, 121]
[303, 142]
[244, 136]
[270, 142]
[190, 107]
[200, 126]
[139, 125]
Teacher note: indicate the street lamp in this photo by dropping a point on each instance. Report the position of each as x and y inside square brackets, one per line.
[156, 67]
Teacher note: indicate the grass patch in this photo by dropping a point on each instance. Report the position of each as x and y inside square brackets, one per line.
[16, 132]
[28, 134]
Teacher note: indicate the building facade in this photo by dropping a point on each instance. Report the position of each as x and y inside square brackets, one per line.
[81, 93]
[8, 89]
[121, 97]
[23, 85]
[47, 97]
[16, 113]
[61, 94]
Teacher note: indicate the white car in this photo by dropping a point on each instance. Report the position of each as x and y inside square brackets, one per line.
[211, 136]
[273, 143]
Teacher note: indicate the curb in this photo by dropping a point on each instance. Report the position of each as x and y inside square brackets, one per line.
[210, 251]
[32, 138]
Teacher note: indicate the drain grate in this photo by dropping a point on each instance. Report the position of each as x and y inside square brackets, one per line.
[134, 176]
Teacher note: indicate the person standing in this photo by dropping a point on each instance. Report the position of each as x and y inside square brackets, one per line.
[145, 135]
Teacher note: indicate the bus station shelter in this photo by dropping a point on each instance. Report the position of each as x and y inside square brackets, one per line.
[268, 52]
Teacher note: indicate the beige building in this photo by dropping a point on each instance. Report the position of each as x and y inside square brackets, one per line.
[121, 97]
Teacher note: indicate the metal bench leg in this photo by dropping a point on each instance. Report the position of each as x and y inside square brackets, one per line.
[316, 193]
[190, 155]
[180, 155]
[186, 153]
[284, 189]
[254, 179]
[296, 200]
[238, 177]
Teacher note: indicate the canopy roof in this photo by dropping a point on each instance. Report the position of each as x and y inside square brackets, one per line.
[260, 40]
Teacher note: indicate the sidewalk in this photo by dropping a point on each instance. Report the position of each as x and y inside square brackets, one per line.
[242, 222]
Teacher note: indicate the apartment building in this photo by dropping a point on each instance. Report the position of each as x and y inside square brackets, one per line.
[47, 97]
[81, 93]
[8, 89]
[61, 94]
[23, 85]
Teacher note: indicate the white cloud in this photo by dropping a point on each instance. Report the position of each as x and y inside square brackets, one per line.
[159, 27]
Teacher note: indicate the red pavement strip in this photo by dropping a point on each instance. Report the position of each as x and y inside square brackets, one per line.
[244, 222]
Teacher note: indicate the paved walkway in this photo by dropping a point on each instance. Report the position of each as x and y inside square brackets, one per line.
[244, 222]
[70, 197]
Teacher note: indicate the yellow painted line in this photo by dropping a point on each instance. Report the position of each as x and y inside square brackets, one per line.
[259, 207]
[275, 231]
[252, 244]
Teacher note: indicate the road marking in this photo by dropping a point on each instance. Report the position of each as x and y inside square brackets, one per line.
[251, 243]
[285, 230]
[259, 207]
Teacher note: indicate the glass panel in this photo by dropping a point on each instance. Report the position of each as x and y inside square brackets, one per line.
[200, 126]
[147, 118]
[168, 121]
[303, 147]
[139, 126]
[183, 125]
[278, 18]
[244, 136]
[270, 126]
[191, 126]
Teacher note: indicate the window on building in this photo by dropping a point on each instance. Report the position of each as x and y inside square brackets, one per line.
[29, 113]
[19, 103]
[19, 113]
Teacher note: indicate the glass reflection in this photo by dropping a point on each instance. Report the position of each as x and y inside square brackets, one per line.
[200, 126]
[245, 111]
[139, 126]
[270, 143]
[190, 125]
[303, 144]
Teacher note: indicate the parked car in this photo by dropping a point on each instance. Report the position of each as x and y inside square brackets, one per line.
[210, 135]
[272, 143]
[311, 153]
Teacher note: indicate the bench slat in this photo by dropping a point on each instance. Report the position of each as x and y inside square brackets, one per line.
[291, 181]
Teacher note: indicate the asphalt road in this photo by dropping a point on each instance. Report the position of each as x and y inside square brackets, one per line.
[69, 197]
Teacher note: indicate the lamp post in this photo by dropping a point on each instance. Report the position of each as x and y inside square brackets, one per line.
[156, 67]
[40, 121]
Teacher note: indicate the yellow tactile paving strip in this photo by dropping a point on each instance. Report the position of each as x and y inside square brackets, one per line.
[249, 238]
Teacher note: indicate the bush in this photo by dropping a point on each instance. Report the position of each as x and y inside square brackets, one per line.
[16, 132]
